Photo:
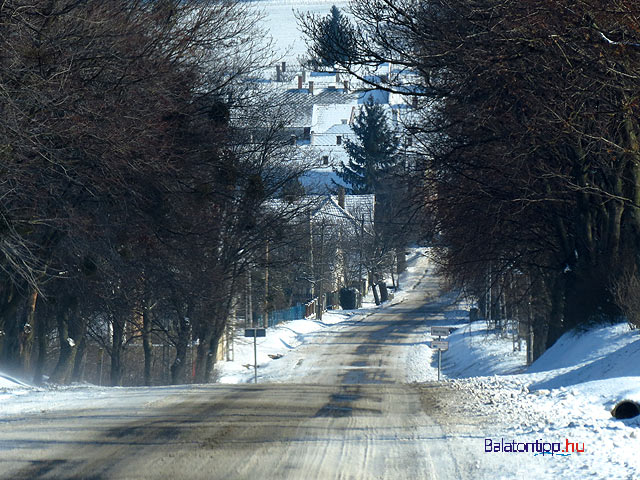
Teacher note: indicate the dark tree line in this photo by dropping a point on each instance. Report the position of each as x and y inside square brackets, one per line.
[528, 144]
[136, 162]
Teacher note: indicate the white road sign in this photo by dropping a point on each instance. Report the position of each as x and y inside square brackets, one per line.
[440, 345]
[439, 331]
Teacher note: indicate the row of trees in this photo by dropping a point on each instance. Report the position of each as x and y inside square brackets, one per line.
[528, 141]
[136, 163]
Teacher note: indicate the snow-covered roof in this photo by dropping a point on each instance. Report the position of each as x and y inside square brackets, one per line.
[340, 129]
[356, 208]
[329, 211]
[298, 105]
[326, 116]
[335, 154]
[320, 180]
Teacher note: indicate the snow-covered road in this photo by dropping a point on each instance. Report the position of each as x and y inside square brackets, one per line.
[339, 408]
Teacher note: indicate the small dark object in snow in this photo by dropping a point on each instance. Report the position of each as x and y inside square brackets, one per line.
[275, 356]
[626, 409]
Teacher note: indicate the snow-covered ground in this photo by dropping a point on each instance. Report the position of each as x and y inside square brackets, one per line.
[566, 396]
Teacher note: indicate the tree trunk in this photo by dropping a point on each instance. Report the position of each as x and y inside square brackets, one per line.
[117, 347]
[147, 345]
[11, 328]
[78, 364]
[202, 356]
[557, 325]
[211, 357]
[376, 297]
[540, 317]
[66, 311]
[42, 329]
[179, 364]
[28, 333]
[401, 259]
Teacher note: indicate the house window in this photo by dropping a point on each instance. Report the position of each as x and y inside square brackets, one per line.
[339, 140]
[325, 160]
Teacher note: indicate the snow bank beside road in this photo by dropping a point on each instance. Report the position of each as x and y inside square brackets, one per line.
[566, 396]
[474, 350]
[578, 357]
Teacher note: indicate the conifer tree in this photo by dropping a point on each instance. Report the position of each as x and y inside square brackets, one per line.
[333, 44]
[374, 153]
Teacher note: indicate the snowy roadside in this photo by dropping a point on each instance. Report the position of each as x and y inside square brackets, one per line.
[564, 398]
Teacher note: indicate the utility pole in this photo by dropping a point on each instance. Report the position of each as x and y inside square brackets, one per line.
[320, 307]
[266, 288]
[361, 242]
[249, 306]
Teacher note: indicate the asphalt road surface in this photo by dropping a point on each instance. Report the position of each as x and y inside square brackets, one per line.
[348, 416]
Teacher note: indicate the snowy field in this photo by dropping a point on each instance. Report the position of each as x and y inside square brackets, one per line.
[280, 22]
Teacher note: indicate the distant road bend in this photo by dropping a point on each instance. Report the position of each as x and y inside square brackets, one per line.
[350, 415]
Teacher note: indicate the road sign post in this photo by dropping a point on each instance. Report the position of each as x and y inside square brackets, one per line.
[255, 333]
[440, 345]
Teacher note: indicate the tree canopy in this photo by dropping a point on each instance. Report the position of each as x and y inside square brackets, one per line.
[333, 40]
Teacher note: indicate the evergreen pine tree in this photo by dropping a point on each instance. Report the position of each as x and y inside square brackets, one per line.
[374, 153]
[335, 40]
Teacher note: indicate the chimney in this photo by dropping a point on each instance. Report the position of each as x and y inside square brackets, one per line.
[278, 73]
[341, 197]
[299, 82]
[346, 86]
[284, 67]
[304, 76]
[310, 87]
